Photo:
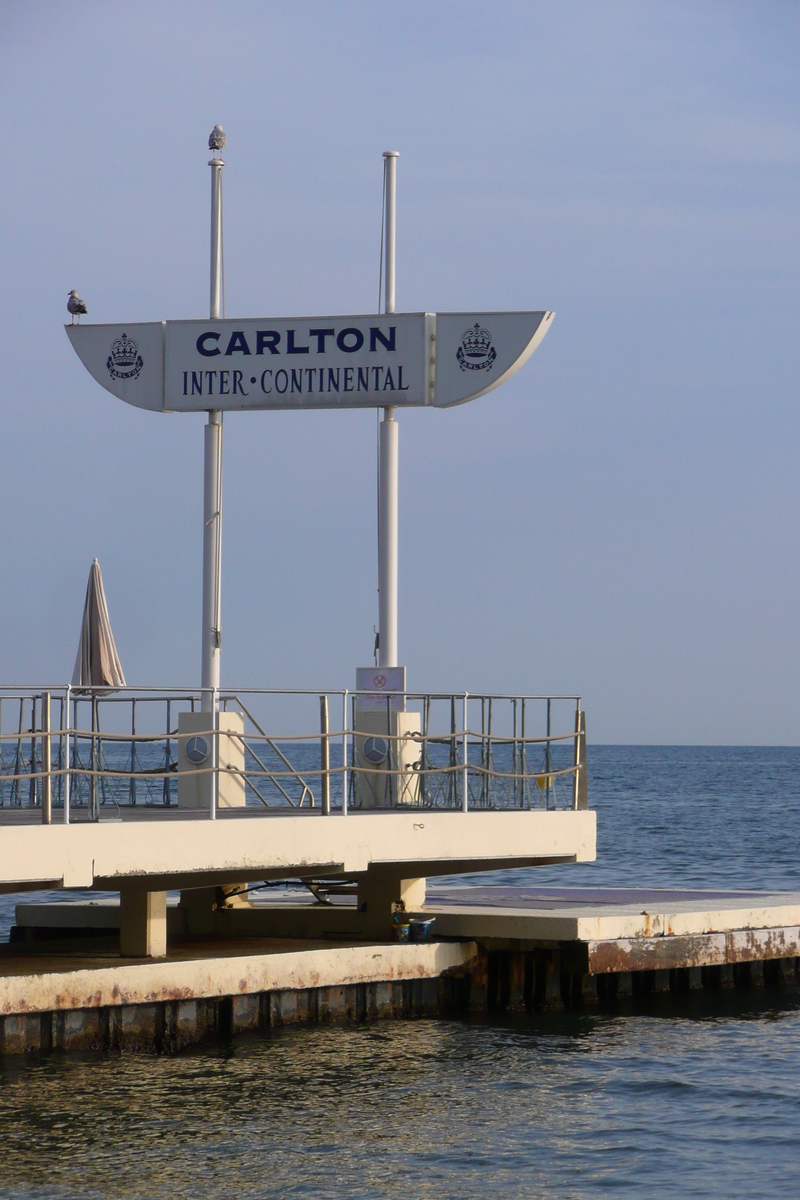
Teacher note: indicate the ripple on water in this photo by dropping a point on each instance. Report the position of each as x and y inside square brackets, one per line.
[648, 1106]
[636, 1106]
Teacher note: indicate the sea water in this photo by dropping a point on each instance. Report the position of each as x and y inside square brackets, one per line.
[704, 1101]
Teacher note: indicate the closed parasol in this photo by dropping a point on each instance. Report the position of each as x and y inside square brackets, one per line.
[97, 663]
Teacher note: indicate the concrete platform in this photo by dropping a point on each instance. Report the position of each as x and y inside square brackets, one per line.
[590, 914]
[605, 929]
[613, 930]
[89, 1000]
[289, 958]
[95, 977]
[165, 849]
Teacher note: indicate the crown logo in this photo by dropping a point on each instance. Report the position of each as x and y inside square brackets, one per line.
[124, 361]
[476, 352]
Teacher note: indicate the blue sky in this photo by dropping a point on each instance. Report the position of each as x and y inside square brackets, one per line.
[620, 520]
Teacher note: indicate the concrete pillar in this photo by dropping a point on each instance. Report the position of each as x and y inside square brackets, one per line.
[199, 906]
[143, 923]
[378, 891]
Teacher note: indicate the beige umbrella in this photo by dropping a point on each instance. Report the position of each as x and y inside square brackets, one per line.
[97, 663]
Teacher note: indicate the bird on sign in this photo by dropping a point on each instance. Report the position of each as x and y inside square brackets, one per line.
[217, 139]
[76, 307]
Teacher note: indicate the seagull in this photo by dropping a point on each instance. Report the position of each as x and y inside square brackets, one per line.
[217, 139]
[76, 306]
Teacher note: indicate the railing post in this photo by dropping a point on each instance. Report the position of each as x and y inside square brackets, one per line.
[548, 763]
[345, 772]
[166, 796]
[47, 782]
[577, 759]
[324, 757]
[489, 757]
[132, 784]
[514, 768]
[465, 800]
[424, 761]
[583, 791]
[94, 808]
[65, 723]
[32, 790]
[214, 753]
[523, 760]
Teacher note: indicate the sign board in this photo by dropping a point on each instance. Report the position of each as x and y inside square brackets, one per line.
[402, 359]
[374, 683]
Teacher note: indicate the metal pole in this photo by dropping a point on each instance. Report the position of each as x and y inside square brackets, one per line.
[212, 470]
[132, 785]
[345, 772]
[214, 758]
[390, 157]
[514, 754]
[576, 778]
[47, 782]
[547, 757]
[32, 790]
[167, 784]
[65, 724]
[324, 756]
[215, 311]
[389, 434]
[465, 802]
[489, 757]
[94, 810]
[387, 522]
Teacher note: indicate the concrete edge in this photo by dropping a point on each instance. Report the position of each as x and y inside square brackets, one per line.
[696, 950]
[174, 979]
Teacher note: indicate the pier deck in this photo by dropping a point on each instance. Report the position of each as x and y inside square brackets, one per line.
[291, 959]
[165, 850]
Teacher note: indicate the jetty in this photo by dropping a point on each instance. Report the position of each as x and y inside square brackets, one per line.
[250, 873]
[187, 810]
[291, 960]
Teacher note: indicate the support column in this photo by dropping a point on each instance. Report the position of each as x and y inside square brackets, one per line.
[142, 923]
[212, 463]
[212, 533]
[200, 906]
[388, 469]
[387, 563]
[378, 890]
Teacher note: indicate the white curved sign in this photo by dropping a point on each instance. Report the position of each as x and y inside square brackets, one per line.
[403, 359]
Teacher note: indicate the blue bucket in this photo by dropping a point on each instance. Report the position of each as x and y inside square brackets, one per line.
[420, 931]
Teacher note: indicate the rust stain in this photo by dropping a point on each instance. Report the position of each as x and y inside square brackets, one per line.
[692, 950]
[40, 991]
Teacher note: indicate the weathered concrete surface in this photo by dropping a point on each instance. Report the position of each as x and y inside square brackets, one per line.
[32, 984]
[694, 950]
[143, 923]
[508, 956]
[169, 851]
[499, 981]
[603, 914]
[520, 917]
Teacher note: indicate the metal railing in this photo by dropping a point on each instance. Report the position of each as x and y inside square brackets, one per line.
[94, 754]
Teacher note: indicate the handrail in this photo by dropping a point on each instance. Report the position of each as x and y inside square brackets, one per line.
[272, 746]
[465, 769]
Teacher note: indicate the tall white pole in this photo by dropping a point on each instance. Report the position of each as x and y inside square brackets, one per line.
[389, 435]
[212, 463]
[391, 157]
